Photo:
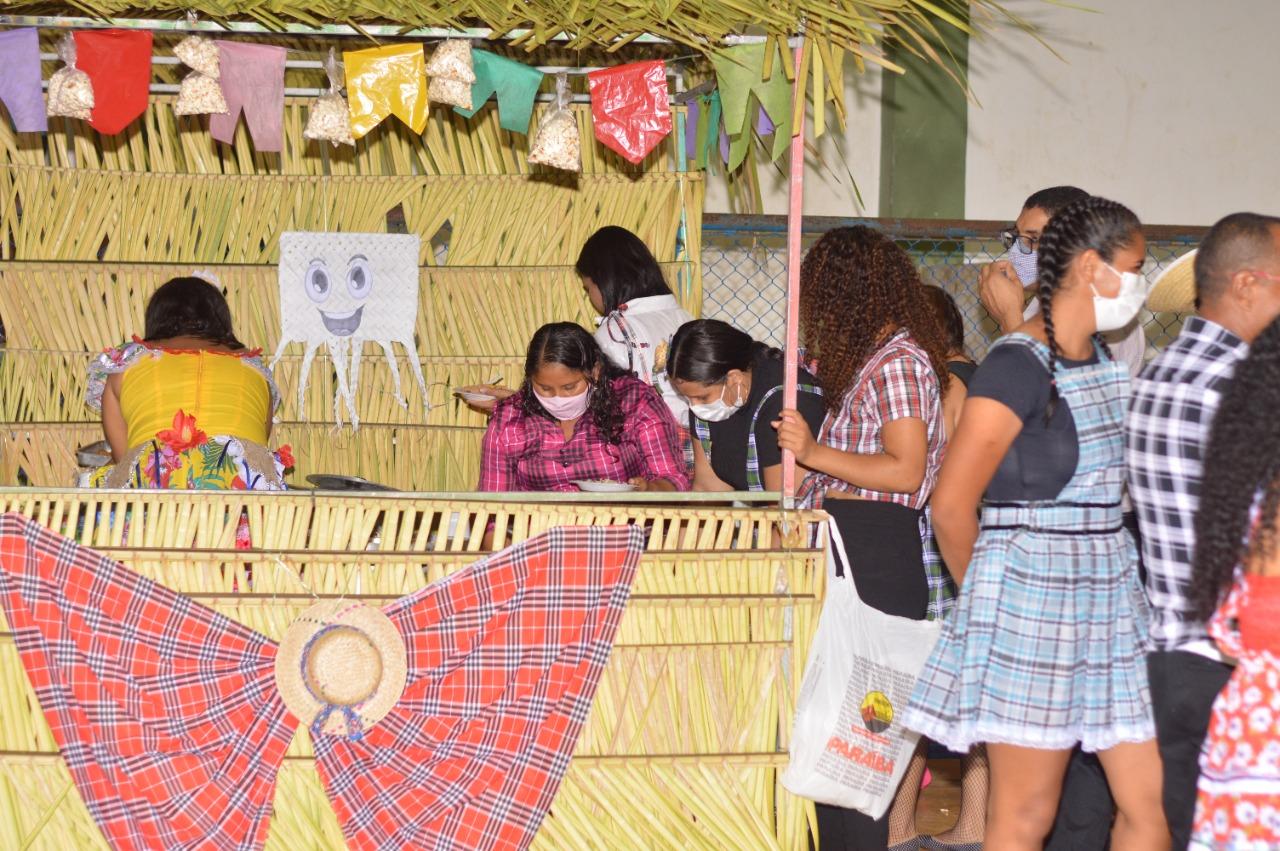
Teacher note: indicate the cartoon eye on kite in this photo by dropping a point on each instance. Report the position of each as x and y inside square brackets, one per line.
[359, 278]
[316, 281]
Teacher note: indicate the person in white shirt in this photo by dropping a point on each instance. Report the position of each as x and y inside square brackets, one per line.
[639, 313]
[639, 316]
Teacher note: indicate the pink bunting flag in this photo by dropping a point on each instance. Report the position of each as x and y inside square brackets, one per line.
[253, 81]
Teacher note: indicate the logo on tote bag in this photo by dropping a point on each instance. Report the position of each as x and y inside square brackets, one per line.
[877, 712]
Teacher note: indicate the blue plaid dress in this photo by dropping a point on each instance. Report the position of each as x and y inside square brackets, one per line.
[1047, 644]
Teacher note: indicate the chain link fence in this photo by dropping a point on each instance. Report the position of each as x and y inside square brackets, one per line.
[744, 269]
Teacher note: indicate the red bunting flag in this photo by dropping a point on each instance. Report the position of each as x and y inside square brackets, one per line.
[118, 63]
[629, 105]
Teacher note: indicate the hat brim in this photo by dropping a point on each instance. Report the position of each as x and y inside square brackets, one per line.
[1174, 291]
[382, 634]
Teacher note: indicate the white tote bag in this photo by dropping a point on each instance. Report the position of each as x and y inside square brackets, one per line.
[848, 745]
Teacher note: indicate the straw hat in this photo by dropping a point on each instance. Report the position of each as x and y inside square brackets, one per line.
[341, 667]
[1174, 290]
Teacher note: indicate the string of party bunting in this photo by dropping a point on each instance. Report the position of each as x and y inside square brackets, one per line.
[107, 75]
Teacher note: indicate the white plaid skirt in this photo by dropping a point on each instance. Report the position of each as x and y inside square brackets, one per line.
[1046, 647]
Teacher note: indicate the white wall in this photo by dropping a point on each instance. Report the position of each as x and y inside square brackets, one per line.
[828, 189]
[1168, 106]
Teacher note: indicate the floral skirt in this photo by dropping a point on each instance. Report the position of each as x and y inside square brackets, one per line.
[220, 462]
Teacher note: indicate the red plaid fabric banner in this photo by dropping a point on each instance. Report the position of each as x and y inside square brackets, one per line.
[166, 712]
[168, 715]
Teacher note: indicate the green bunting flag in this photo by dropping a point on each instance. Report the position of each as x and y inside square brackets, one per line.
[515, 85]
[739, 76]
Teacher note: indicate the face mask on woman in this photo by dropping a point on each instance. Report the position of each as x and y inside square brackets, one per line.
[1115, 312]
[565, 408]
[714, 412]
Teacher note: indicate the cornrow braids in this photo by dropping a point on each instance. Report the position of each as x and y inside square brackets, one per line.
[856, 282]
[1091, 224]
[1241, 463]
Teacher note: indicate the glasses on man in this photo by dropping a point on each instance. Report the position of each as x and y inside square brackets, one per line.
[1026, 244]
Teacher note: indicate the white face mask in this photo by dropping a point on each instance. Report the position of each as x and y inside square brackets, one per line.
[1115, 312]
[714, 412]
[565, 408]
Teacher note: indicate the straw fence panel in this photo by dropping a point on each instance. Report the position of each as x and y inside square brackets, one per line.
[504, 220]
[475, 311]
[420, 458]
[162, 142]
[700, 704]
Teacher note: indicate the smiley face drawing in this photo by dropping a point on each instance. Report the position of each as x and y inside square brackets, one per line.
[341, 290]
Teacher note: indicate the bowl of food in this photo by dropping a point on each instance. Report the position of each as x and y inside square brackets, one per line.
[94, 455]
[604, 486]
[333, 482]
[474, 396]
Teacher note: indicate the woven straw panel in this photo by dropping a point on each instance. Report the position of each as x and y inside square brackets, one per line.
[698, 694]
[494, 220]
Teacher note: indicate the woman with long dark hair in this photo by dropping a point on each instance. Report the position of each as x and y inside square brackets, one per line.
[881, 361]
[733, 385]
[1046, 646]
[1237, 557]
[578, 417]
[188, 405]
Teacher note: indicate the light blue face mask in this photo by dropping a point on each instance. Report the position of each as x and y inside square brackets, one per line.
[1024, 265]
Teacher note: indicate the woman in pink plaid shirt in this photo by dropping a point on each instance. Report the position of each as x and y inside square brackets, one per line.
[577, 417]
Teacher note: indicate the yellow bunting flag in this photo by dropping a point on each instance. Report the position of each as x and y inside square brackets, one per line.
[385, 81]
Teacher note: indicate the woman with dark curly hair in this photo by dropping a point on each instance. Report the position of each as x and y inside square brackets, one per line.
[578, 417]
[1236, 551]
[1045, 648]
[881, 361]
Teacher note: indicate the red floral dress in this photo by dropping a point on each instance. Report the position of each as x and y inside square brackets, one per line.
[1238, 806]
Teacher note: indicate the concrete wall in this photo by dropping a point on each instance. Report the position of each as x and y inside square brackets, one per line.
[1168, 106]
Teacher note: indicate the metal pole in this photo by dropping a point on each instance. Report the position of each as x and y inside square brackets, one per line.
[795, 217]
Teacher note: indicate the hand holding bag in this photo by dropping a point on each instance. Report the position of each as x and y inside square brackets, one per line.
[848, 745]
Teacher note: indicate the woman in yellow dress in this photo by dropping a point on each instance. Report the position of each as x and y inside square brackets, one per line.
[188, 406]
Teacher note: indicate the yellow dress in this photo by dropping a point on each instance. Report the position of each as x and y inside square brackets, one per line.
[196, 419]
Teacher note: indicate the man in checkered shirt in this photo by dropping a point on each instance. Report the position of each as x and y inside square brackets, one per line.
[1237, 284]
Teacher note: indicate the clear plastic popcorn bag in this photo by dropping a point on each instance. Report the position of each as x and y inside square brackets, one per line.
[330, 117]
[70, 89]
[557, 142]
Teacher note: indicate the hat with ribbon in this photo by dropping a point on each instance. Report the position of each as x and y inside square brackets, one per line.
[341, 667]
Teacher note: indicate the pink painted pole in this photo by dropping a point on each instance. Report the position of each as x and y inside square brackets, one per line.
[795, 216]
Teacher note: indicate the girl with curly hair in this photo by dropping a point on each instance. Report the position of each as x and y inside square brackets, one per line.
[1236, 551]
[578, 417]
[1046, 646]
[881, 361]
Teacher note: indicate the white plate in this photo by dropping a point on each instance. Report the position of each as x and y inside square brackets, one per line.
[474, 398]
[605, 487]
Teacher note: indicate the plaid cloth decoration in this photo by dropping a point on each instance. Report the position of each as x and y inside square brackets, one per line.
[168, 716]
[166, 712]
[504, 658]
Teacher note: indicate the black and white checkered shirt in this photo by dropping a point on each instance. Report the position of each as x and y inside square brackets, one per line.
[1173, 404]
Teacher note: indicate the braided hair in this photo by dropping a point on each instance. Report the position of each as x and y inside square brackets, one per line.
[572, 347]
[1090, 224]
[1242, 460]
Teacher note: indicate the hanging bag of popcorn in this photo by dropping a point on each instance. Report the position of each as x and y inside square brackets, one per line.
[200, 94]
[557, 143]
[70, 90]
[199, 54]
[452, 73]
[330, 118]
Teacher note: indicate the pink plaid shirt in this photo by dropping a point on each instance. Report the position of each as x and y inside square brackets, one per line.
[524, 453]
[897, 382]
